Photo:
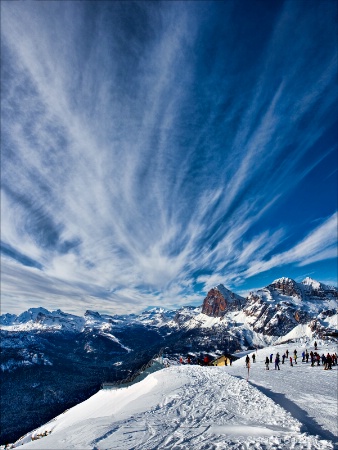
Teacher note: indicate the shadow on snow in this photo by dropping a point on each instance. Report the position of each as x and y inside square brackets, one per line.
[309, 425]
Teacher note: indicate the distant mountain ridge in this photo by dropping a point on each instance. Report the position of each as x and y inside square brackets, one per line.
[304, 299]
[103, 324]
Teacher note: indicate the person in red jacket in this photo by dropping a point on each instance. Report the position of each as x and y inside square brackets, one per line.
[206, 360]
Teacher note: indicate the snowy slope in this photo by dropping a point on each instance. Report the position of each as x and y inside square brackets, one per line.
[309, 393]
[192, 407]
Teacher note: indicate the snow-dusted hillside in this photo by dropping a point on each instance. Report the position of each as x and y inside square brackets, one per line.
[193, 407]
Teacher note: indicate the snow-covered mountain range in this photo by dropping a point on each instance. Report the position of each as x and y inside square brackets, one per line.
[55, 358]
[272, 311]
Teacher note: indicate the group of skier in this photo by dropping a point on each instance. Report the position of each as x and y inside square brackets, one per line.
[328, 360]
[268, 360]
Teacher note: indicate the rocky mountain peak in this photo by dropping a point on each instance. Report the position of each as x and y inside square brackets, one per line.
[221, 300]
[285, 286]
[315, 289]
[92, 314]
[311, 282]
[33, 314]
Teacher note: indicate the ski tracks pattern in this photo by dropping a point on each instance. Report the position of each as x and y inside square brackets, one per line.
[233, 415]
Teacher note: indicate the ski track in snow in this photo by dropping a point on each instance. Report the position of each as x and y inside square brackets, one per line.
[192, 407]
[308, 393]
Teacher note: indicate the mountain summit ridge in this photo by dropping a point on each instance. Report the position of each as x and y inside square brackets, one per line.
[277, 308]
[218, 302]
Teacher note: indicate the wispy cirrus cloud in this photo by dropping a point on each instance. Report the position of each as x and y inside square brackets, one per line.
[318, 245]
[136, 163]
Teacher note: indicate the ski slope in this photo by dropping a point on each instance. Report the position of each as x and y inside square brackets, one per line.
[193, 407]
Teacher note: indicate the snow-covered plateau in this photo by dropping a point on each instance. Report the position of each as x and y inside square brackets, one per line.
[194, 407]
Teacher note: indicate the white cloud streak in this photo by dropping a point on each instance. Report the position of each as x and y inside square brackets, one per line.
[319, 245]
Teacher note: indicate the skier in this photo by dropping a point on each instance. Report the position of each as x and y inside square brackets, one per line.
[248, 366]
[303, 356]
[329, 361]
[283, 358]
[253, 358]
[295, 356]
[267, 363]
[271, 356]
[287, 353]
[277, 362]
[312, 356]
[247, 361]
[307, 355]
[315, 345]
[323, 359]
[291, 361]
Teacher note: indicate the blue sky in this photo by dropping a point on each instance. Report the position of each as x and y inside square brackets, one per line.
[152, 150]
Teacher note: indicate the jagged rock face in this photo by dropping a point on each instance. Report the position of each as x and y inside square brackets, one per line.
[305, 290]
[273, 319]
[271, 313]
[286, 286]
[316, 289]
[214, 304]
[93, 314]
[220, 300]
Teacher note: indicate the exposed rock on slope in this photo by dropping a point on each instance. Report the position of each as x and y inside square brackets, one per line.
[273, 319]
[284, 304]
[315, 289]
[220, 300]
[285, 286]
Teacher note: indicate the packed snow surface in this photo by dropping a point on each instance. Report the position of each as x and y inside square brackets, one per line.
[193, 407]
